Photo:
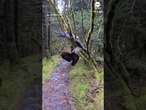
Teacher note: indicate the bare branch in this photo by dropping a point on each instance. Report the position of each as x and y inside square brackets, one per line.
[73, 18]
[82, 20]
[60, 18]
[92, 20]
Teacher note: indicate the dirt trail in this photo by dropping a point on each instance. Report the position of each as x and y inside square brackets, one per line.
[56, 94]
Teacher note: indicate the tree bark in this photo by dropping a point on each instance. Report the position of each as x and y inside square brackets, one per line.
[11, 30]
[45, 29]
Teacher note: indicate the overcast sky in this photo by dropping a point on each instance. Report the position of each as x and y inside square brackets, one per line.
[61, 4]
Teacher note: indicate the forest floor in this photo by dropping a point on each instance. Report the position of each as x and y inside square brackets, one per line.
[56, 94]
[85, 89]
[86, 93]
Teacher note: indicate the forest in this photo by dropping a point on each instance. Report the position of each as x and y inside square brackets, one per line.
[73, 54]
[69, 25]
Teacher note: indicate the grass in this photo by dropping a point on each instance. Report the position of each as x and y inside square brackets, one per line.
[49, 66]
[81, 82]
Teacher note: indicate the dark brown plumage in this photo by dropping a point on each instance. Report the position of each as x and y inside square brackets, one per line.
[70, 57]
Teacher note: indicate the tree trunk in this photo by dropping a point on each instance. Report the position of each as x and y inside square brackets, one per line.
[49, 33]
[11, 29]
[45, 29]
[124, 54]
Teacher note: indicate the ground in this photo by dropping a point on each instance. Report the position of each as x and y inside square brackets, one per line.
[85, 86]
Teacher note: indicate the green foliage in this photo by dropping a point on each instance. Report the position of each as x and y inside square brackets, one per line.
[81, 78]
[49, 66]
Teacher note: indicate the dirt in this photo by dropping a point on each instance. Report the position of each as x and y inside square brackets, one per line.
[56, 93]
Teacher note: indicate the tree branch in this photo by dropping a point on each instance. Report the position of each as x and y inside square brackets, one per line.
[92, 20]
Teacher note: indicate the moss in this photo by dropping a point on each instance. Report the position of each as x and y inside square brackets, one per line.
[81, 78]
[49, 65]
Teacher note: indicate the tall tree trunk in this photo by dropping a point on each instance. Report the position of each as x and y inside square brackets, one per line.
[123, 46]
[45, 29]
[49, 33]
[11, 29]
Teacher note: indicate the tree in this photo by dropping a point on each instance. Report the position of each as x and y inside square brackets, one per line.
[124, 35]
[68, 24]
[45, 33]
[9, 34]
[19, 35]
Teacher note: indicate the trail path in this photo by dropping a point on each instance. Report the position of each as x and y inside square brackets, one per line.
[56, 94]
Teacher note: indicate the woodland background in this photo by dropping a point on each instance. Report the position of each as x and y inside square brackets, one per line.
[86, 78]
[124, 52]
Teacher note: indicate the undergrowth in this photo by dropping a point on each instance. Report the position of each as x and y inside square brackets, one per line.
[49, 66]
